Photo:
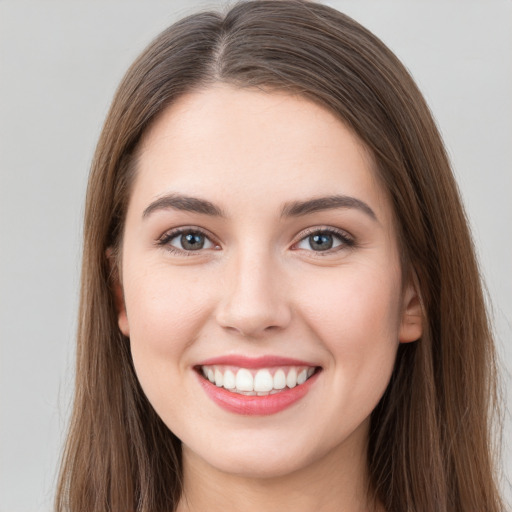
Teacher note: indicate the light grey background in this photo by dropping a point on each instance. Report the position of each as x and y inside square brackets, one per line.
[60, 62]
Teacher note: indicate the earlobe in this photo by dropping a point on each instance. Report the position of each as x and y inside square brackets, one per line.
[122, 317]
[118, 295]
[411, 326]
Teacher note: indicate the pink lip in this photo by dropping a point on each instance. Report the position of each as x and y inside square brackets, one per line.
[254, 362]
[255, 405]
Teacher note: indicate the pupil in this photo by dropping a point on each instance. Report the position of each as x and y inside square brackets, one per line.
[192, 241]
[321, 242]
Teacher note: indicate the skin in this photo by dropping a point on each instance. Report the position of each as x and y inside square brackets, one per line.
[258, 288]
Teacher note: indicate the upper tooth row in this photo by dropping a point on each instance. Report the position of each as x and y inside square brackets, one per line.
[263, 380]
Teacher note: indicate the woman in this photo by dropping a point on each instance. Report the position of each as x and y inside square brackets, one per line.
[280, 300]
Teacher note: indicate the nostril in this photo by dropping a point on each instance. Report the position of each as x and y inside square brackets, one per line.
[252, 331]
[255, 321]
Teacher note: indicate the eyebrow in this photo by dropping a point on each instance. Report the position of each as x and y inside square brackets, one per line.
[290, 209]
[299, 208]
[184, 203]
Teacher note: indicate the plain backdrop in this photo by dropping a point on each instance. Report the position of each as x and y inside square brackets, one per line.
[60, 62]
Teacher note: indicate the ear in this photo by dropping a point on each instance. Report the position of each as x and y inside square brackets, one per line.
[117, 291]
[411, 325]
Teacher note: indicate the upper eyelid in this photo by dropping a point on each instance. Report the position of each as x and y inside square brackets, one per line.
[174, 232]
[323, 229]
[303, 233]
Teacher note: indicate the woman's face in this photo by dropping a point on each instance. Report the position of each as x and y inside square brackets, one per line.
[259, 250]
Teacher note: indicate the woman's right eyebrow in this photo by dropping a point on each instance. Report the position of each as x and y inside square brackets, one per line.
[185, 203]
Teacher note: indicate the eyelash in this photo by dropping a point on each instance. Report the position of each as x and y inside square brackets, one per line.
[166, 238]
[347, 241]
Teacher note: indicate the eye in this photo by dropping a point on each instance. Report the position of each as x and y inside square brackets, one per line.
[324, 240]
[186, 240]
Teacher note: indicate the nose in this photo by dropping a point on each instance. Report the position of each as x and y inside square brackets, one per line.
[254, 301]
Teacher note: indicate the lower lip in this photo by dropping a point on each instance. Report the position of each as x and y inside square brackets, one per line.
[256, 405]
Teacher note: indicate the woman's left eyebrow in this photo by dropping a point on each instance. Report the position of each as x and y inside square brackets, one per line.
[299, 208]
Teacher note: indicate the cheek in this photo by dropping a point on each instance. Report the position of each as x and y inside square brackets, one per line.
[356, 316]
[165, 316]
[354, 302]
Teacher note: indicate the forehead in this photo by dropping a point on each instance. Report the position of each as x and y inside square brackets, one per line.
[249, 145]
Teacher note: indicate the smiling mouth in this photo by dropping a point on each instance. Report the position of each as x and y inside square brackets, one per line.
[257, 382]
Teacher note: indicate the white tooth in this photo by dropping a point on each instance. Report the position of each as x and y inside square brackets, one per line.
[244, 380]
[262, 393]
[279, 380]
[205, 372]
[291, 378]
[218, 378]
[303, 375]
[211, 375]
[311, 370]
[229, 380]
[263, 381]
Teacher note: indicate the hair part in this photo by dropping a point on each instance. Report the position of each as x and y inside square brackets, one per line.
[429, 446]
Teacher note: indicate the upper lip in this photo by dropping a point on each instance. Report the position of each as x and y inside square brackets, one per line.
[267, 361]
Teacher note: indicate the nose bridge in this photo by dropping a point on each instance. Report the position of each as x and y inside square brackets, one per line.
[254, 300]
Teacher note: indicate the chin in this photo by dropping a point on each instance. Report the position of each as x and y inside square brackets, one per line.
[258, 464]
[259, 458]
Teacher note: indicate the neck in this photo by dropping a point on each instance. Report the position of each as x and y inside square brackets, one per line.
[337, 482]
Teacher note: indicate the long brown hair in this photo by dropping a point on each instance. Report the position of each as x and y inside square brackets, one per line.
[430, 446]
